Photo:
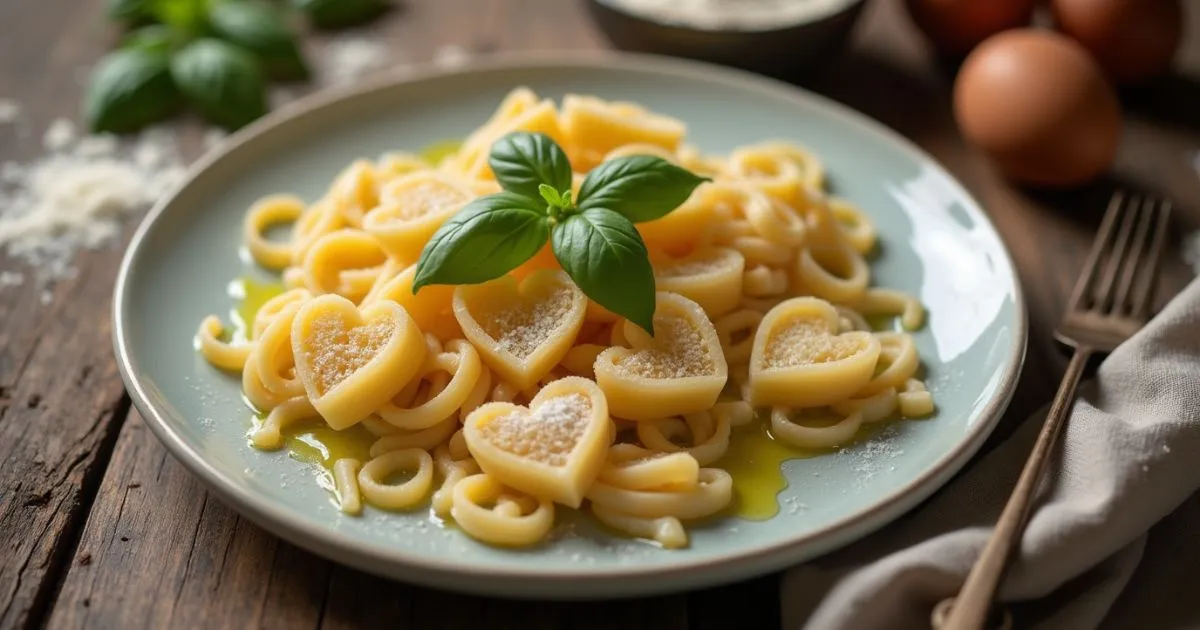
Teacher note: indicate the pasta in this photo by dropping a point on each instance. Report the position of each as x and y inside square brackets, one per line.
[498, 403]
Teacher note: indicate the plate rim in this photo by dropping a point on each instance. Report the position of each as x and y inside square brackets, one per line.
[634, 579]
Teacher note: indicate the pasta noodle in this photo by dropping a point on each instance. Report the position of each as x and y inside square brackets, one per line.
[494, 402]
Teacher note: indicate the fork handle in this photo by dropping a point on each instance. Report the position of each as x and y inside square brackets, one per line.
[969, 611]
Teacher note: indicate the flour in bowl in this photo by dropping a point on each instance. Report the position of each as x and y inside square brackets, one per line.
[728, 14]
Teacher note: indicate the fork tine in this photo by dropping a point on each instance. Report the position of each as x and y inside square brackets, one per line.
[1102, 293]
[1147, 280]
[1137, 251]
[1099, 246]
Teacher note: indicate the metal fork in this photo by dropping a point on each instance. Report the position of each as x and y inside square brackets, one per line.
[1111, 302]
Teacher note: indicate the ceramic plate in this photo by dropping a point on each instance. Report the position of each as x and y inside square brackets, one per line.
[936, 243]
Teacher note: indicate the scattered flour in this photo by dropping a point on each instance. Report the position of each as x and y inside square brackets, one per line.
[871, 457]
[10, 111]
[728, 14]
[76, 195]
[451, 56]
[11, 279]
[349, 58]
[1191, 250]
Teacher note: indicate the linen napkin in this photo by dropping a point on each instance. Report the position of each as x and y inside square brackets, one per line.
[1113, 542]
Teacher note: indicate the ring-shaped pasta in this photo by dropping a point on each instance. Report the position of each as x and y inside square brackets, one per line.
[836, 274]
[713, 491]
[478, 394]
[664, 530]
[736, 332]
[915, 401]
[222, 355]
[775, 220]
[499, 525]
[761, 305]
[319, 220]
[804, 436]
[768, 171]
[274, 355]
[873, 408]
[274, 306]
[372, 479]
[710, 437]
[458, 445]
[759, 251]
[355, 191]
[267, 212]
[892, 302]
[333, 255]
[850, 320]
[738, 412]
[293, 278]
[581, 359]
[345, 485]
[253, 390]
[763, 281]
[268, 436]
[461, 360]
[812, 171]
[855, 226]
[635, 468]
[641, 148]
[452, 471]
[505, 392]
[424, 439]
[898, 352]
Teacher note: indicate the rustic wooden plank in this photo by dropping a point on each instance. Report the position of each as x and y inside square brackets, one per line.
[61, 400]
[158, 550]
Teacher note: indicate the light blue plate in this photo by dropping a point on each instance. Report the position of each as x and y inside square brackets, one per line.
[936, 244]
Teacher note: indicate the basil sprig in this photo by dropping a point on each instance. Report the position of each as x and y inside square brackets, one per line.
[593, 237]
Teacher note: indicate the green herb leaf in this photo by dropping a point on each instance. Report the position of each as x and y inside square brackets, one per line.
[154, 38]
[261, 29]
[340, 13]
[550, 195]
[221, 80]
[129, 11]
[130, 88]
[184, 16]
[522, 161]
[605, 256]
[640, 187]
[488, 238]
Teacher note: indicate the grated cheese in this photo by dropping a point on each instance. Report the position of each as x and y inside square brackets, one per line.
[76, 195]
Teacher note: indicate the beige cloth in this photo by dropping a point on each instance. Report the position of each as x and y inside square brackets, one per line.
[1114, 541]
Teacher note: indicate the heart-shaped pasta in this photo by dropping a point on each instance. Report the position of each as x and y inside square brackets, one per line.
[521, 330]
[679, 370]
[411, 208]
[553, 449]
[353, 361]
[800, 360]
[709, 276]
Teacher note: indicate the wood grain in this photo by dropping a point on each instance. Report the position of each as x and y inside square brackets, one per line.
[158, 550]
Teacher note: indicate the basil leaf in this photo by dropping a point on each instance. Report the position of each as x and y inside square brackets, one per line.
[640, 187]
[340, 13]
[605, 256]
[523, 160]
[129, 11]
[221, 80]
[261, 29]
[488, 238]
[154, 38]
[130, 88]
[184, 16]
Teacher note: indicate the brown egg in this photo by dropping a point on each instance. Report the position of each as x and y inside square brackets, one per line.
[957, 26]
[1039, 106]
[1133, 40]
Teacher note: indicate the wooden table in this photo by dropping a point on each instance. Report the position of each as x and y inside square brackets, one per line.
[100, 528]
